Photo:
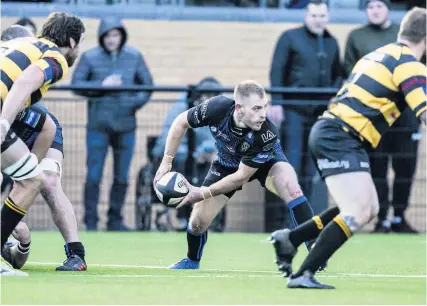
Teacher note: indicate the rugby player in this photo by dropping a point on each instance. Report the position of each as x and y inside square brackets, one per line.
[29, 68]
[42, 133]
[382, 84]
[33, 125]
[248, 149]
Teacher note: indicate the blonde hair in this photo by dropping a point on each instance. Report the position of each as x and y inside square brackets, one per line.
[248, 87]
[413, 26]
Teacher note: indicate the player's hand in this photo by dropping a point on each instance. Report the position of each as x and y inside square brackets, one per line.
[164, 168]
[194, 195]
[112, 80]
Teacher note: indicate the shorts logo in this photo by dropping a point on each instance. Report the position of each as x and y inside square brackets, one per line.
[329, 164]
[32, 118]
[267, 136]
[244, 147]
[213, 129]
[364, 165]
[215, 173]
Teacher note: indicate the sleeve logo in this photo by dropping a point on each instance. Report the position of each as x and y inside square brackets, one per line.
[267, 136]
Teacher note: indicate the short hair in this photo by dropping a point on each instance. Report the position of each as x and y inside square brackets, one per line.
[317, 2]
[413, 26]
[60, 27]
[246, 88]
[15, 31]
[24, 21]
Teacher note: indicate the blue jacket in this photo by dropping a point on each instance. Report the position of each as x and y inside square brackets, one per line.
[112, 111]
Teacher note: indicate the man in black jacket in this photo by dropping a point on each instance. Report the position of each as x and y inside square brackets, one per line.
[307, 56]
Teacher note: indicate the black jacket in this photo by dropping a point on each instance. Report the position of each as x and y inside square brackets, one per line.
[300, 61]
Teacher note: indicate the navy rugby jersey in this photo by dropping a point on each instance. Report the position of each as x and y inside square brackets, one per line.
[234, 144]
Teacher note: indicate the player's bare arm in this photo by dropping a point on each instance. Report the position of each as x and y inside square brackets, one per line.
[29, 81]
[176, 133]
[229, 183]
[44, 138]
[423, 117]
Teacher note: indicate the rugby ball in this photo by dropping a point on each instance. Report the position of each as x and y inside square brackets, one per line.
[171, 189]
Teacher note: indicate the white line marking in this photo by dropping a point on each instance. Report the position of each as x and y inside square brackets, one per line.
[269, 273]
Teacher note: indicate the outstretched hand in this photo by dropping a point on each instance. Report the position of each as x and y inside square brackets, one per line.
[194, 195]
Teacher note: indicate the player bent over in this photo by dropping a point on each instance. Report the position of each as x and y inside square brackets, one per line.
[382, 84]
[248, 149]
[35, 134]
[29, 68]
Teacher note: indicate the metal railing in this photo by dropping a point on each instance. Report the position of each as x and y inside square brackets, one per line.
[245, 215]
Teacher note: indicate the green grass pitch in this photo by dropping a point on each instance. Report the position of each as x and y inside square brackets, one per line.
[129, 268]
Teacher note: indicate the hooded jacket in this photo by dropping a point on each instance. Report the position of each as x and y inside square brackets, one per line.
[112, 111]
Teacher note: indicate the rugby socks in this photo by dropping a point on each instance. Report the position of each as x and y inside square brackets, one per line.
[300, 211]
[75, 248]
[330, 239]
[196, 243]
[311, 229]
[11, 214]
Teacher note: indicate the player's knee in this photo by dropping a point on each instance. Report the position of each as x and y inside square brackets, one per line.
[197, 225]
[51, 183]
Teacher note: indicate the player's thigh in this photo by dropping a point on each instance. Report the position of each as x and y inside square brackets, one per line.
[282, 180]
[354, 194]
[205, 211]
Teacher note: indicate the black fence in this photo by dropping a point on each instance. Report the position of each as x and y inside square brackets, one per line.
[251, 210]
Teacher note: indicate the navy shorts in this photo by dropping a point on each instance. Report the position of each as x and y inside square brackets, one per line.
[335, 150]
[218, 172]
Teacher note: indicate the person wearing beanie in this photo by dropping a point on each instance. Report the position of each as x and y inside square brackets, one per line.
[401, 141]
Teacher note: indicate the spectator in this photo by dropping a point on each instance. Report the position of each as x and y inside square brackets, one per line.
[204, 143]
[29, 24]
[307, 56]
[400, 144]
[111, 116]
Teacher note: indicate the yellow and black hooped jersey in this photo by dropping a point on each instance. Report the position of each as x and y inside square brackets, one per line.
[381, 85]
[17, 54]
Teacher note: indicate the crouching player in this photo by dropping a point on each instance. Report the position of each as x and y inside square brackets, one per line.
[248, 149]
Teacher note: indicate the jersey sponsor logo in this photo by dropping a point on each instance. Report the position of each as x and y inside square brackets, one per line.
[269, 135]
[196, 116]
[325, 163]
[231, 149]
[215, 173]
[364, 165]
[269, 146]
[223, 136]
[32, 118]
[203, 109]
[244, 147]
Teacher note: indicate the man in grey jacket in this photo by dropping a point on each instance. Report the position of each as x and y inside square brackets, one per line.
[111, 115]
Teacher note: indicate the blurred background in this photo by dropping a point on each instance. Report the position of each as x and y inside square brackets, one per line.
[305, 50]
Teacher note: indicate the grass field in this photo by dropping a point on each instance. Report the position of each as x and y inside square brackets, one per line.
[129, 268]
